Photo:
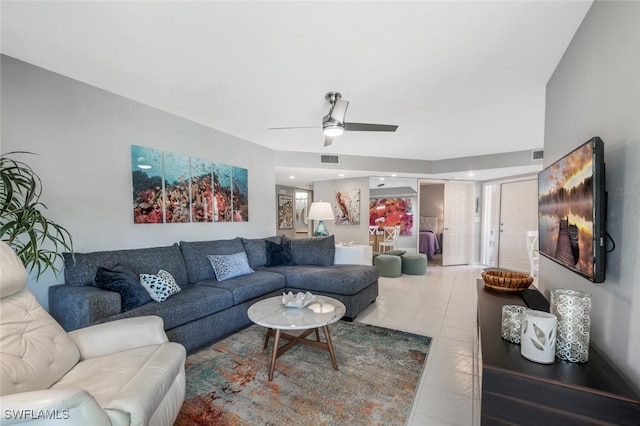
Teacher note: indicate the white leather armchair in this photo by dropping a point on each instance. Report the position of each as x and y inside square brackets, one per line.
[123, 372]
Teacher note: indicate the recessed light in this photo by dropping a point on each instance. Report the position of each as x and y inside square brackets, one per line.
[394, 175]
[341, 175]
[292, 177]
[381, 178]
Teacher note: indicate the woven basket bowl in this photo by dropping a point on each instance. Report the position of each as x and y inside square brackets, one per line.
[503, 280]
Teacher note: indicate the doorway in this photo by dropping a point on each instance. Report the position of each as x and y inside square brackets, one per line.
[457, 223]
[511, 209]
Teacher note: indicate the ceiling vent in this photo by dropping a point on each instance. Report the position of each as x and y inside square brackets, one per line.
[329, 159]
[537, 155]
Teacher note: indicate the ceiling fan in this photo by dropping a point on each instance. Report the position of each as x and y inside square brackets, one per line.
[333, 124]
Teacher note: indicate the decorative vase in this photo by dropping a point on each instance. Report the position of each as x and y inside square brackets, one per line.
[538, 336]
[512, 322]
[573, 309]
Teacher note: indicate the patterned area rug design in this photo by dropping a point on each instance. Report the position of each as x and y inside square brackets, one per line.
[379, 372]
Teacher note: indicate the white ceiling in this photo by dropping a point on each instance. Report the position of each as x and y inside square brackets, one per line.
[460, 78]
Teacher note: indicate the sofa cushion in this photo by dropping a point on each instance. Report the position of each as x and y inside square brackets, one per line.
[123, 280]
[279, 254]
[160, 286]
[195, 256]
[247, 287]
[83, 269]
[318, 251]
[192, 303]
[227, 266]
[256, 251]
[336, 279]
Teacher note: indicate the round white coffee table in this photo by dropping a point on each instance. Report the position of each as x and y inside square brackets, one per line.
[277, 318]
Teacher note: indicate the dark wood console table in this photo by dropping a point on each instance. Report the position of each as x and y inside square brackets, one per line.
[520, 392]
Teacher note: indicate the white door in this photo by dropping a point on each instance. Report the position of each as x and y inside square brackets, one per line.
[455, 236]
[518, 214]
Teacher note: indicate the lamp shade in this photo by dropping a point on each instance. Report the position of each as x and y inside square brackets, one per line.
[320, 210]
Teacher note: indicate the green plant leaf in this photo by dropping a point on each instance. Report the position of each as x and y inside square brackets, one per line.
[37, 240]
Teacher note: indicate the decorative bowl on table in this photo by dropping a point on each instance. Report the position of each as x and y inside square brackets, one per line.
[298, 300]
[505, 280]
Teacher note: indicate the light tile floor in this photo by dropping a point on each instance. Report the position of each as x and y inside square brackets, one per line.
[440, 304]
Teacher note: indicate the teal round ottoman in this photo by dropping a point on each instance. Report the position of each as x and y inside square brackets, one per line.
[388, 265]
[414, 264]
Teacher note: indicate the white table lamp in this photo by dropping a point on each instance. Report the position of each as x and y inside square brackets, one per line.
[320, 211]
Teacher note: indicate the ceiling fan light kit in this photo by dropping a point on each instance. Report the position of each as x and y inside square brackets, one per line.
[333, 124]
[333, 130]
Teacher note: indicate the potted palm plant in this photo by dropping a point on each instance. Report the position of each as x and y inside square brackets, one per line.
[37, 240]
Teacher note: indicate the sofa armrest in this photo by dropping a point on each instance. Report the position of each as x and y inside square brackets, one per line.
[77, 307]
[116, 336]
[70, 406]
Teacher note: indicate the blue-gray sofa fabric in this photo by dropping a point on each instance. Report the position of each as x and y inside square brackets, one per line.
[207, 309]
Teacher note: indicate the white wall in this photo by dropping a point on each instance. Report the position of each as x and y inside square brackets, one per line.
[595, 91]
[83, 137]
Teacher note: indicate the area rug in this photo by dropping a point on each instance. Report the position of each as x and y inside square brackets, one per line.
[379, 372]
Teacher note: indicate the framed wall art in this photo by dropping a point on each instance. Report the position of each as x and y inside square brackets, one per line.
[285, 211]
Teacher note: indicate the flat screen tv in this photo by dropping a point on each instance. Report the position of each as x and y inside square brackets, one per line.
[572, 211]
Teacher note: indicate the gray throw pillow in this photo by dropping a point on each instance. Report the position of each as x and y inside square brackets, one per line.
[227, 266]
[256, 252]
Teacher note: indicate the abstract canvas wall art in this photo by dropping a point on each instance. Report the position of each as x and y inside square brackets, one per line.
[394, 211]
[346, 207]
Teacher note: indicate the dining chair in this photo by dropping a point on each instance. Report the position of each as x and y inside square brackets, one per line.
[389, 238]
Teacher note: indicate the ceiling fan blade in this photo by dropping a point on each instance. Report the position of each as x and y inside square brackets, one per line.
[365, 127]
[294, 127]
[339, 110]
[328, 140]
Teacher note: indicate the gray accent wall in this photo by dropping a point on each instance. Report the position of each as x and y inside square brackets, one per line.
[83, 137]
[595, 91]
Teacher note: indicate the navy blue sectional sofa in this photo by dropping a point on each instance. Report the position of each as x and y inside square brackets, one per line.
[207, 309]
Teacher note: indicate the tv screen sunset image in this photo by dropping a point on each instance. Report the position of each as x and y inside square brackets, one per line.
[565, 209]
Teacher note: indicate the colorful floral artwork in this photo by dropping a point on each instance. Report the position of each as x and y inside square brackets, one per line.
[174, 188]
[347, 207]
[392, 212]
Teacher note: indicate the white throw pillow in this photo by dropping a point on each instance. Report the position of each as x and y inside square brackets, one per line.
[228, 266]
[160, 286]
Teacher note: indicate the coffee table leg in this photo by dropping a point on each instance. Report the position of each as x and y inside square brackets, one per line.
[327, 336]
[266, 338]
[274, 354]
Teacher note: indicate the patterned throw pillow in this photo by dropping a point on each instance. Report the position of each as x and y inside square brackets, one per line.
[160, 286]
[228, 266]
